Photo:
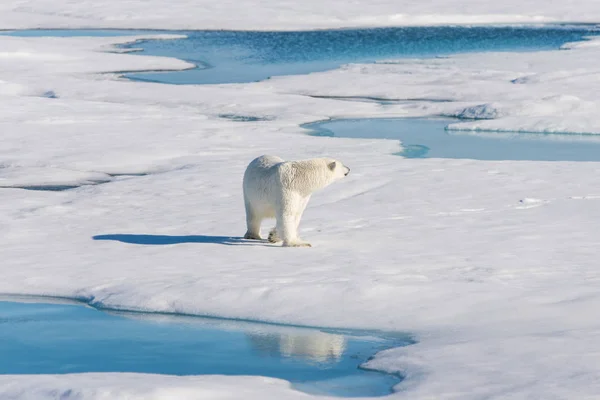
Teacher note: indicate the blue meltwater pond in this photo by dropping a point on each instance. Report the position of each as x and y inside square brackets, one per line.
[428, 138]
[42, 338]
[237, 57]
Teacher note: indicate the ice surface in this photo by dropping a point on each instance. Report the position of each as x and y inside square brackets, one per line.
[499, 289]
[285, 15]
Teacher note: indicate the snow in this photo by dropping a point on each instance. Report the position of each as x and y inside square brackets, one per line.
[143, 387]
[285, 15]
[491, 265]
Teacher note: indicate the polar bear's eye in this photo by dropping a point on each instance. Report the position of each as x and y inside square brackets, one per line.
[332, 166]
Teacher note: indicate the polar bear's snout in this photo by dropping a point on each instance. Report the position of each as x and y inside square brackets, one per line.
[338, 170]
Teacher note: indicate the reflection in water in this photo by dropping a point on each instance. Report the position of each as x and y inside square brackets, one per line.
[315, 346]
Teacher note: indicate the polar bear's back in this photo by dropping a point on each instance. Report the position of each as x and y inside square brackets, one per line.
[261, 184]
[264, 162]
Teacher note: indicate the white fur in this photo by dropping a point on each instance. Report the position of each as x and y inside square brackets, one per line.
[274, 188]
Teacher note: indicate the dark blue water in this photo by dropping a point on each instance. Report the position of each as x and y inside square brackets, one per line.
[38, 338]
[247, 56]
[427, 138]
[236, 57]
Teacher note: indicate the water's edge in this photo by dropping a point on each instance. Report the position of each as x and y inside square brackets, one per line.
[91, 303]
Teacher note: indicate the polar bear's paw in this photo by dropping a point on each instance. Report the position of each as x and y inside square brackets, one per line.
[273, 238]
[296, 244]
[252, 236]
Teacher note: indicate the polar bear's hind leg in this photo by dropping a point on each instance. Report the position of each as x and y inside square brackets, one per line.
[253, 222]
[273, 236]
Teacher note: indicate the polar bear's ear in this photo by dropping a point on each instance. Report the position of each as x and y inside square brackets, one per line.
[332, 165]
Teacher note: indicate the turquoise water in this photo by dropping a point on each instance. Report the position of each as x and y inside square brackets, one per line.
[247, 56]
[40, 338]
[427, 138]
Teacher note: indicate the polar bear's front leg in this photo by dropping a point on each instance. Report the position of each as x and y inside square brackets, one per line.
[288, 218]
[286, 224]
[297, 217]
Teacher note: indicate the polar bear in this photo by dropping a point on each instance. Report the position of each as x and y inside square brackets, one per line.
[274, 188]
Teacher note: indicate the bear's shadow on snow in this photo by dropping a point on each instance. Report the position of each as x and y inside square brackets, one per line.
[157, 240]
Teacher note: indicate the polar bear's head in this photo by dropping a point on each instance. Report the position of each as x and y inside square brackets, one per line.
[338, 169]
[307, 176]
